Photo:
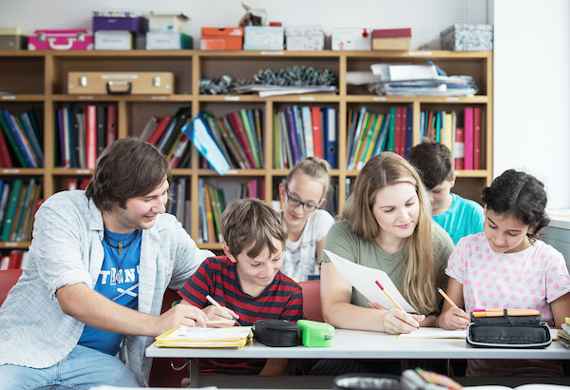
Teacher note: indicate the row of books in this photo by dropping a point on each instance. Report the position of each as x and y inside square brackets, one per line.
[179, 203]
[14, 259]
[19, 200]
[459, 131]
[238, 136]
[20, 139]
[167, 134]
[214, 196]
[84, 130]
[75, 183]
[371, 133]
[300, 131]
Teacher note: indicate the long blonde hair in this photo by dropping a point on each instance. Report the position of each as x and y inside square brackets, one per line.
[419, 279]
[314, 167]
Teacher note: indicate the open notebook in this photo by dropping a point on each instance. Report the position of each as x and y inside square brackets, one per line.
[186, 337]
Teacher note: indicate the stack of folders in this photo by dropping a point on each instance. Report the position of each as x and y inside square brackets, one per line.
[186, 337]
[564, 333]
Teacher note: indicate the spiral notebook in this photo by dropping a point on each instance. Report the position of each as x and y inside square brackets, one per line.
[187, 337]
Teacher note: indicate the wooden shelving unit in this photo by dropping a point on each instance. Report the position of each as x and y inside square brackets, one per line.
[40, 79]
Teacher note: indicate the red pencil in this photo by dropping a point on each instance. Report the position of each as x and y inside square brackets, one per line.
[390, 298]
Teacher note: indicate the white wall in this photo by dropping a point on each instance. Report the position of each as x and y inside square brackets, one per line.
[426, 17]
[532, 83]
[532, 98]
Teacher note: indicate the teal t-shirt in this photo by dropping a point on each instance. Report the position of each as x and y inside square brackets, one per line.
[462, 218]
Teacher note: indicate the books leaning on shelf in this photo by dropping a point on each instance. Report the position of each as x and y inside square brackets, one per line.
[14, 259]
[21, 139]
[83, 131]
[19, 199]
[460, 131]
[370, 134]
[301, 131]
[187, 337]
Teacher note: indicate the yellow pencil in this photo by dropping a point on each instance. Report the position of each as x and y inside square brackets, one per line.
[447, 298]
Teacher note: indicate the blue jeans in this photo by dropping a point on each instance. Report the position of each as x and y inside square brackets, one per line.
[81, 369]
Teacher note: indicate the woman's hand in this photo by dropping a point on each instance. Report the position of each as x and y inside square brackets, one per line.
[453, 318]
[397, 321]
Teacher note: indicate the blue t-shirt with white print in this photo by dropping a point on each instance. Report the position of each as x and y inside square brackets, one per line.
[117, 281]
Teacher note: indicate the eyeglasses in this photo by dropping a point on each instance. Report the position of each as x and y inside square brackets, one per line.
[295, 202]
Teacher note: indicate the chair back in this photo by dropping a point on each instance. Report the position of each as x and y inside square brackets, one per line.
[312, 309]
[8, 279]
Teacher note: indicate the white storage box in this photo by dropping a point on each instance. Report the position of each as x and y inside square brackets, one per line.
[167, 40]
[166, 22]
[263, 38]
[351, 39]
[305, 38]
[467, 37]
[113, 40]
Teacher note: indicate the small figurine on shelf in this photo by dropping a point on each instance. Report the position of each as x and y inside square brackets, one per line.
[253, 16]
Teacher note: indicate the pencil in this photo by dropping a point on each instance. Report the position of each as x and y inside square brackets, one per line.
[447, 298]
[213, 302]
[390, 298]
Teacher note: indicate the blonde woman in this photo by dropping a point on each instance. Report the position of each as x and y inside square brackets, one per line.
[386, 225]
[302, 194]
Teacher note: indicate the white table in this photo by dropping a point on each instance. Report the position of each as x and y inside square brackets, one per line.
[350, 344]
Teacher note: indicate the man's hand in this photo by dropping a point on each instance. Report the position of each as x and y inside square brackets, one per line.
[186, 315]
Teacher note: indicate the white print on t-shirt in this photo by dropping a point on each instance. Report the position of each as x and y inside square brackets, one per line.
[114, 276]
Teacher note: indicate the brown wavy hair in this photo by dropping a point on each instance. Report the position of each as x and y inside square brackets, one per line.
[419, 282]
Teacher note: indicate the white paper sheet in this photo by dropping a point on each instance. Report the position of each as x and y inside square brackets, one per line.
[436, 333]
[363, 279]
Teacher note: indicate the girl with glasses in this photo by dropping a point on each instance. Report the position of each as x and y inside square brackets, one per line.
[301, 195]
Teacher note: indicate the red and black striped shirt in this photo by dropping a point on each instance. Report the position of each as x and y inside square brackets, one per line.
[217, 276]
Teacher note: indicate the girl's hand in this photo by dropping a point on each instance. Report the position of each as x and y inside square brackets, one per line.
[397, 321]
[453, 318]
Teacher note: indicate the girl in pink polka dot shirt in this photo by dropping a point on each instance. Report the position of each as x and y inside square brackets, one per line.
[506, 266]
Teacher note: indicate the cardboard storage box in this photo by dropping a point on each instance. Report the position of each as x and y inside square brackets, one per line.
[221, 38]
[305, 38]
[135, 24]
[391, 39]
[12, 42]
[263, 38]
[113, 40]
[166, 22]
[120, 83]
[467, 37]
[167, 40]
[350, 39]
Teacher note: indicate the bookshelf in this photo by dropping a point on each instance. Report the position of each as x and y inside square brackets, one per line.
[39, 80]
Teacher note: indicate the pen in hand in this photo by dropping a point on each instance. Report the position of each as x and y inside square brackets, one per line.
[233, 316]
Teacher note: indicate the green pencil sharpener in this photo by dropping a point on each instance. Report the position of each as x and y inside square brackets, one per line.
[315, 334]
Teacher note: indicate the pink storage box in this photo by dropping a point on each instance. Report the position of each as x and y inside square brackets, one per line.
[60, 40]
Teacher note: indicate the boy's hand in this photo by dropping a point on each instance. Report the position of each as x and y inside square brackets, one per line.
[219, 317]
[453, 318]
[182, 314]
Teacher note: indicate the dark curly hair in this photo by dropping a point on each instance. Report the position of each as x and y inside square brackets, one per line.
[433, 163]
[521, 195]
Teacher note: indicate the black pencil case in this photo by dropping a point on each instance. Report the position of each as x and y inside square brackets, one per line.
[509, 331]
[276, 333]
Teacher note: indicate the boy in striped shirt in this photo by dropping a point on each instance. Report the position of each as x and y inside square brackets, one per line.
[247, 281]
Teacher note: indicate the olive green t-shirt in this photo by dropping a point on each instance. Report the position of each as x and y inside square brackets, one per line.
[345, 243]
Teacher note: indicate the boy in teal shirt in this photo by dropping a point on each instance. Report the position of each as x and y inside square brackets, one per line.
[458, 216]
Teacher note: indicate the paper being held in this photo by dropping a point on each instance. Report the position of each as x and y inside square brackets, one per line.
[364, 280]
